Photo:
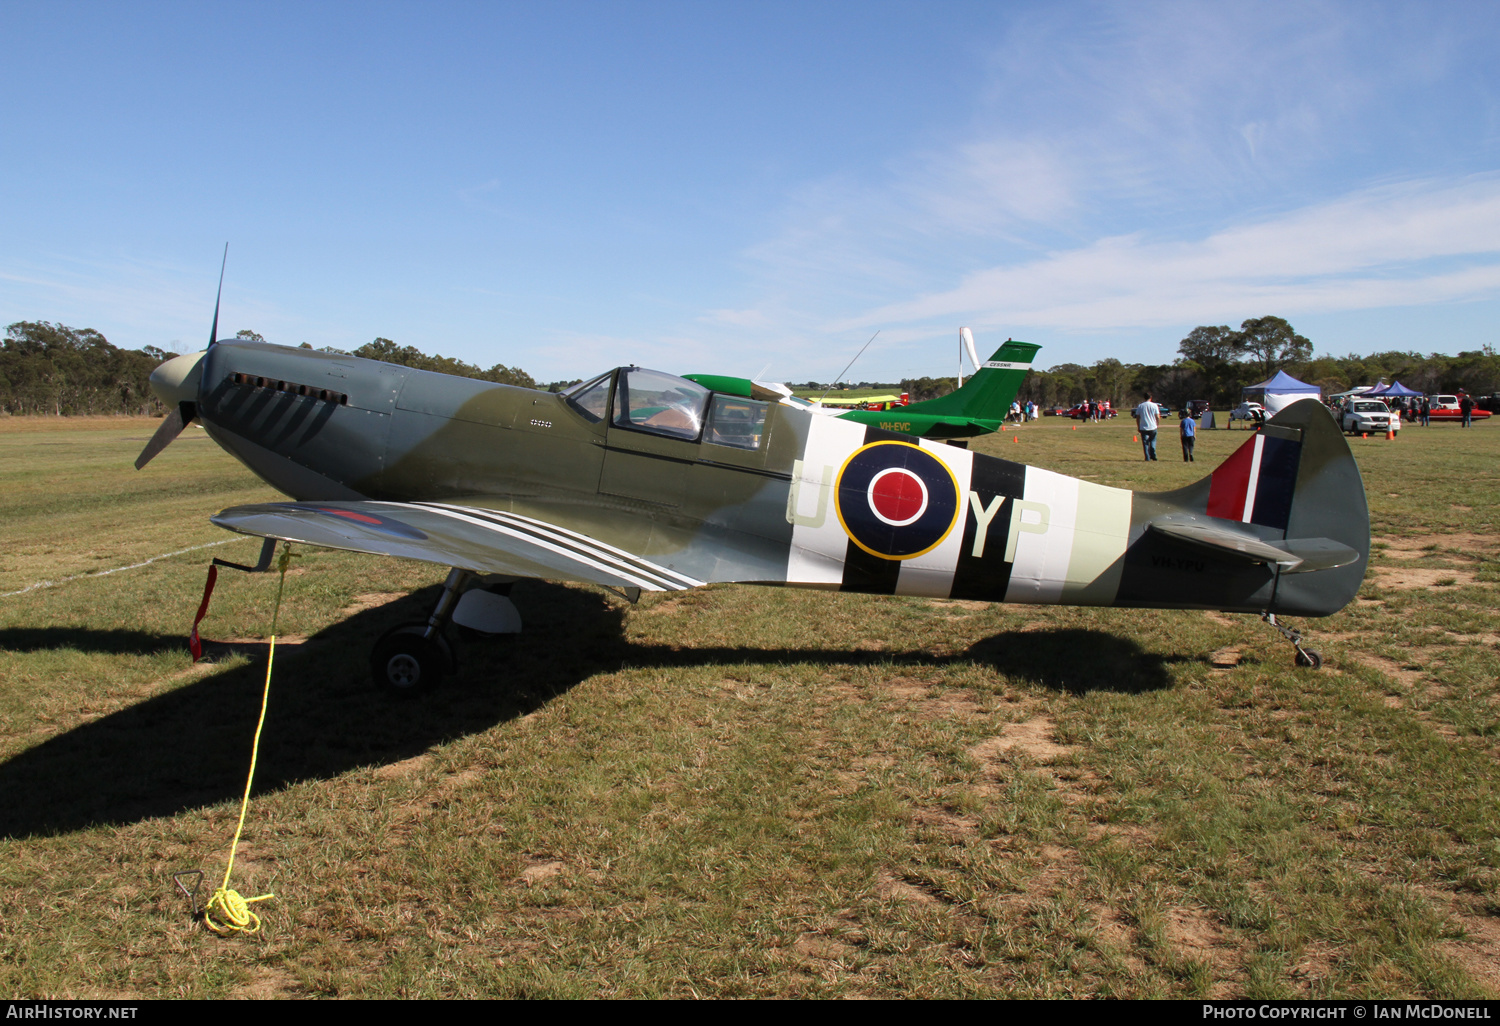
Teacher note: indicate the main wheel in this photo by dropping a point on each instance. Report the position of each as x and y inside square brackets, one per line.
[405, 663]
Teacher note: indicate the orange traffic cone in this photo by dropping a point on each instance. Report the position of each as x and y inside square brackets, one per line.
[1364, 434]
[1135, 438]
[1016, 439]
[1390, 436]
[1075, 427]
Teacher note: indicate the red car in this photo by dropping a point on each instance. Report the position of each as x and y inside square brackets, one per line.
[1446, 407]
[1081, 411]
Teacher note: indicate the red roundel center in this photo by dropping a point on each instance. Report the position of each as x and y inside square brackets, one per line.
[898, 496]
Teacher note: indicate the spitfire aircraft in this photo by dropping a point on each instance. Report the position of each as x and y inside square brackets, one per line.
[976, 408]
[639, 480]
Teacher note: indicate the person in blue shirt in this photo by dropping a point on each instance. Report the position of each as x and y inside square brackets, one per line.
[1146, 416]
[1189, 432]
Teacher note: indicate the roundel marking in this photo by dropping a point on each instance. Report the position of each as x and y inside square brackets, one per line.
[896, 500]
[897, 496]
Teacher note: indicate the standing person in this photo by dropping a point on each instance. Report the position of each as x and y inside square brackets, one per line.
[1189, 432]
[1146, 416]
[1426, 411]
[1466, 405]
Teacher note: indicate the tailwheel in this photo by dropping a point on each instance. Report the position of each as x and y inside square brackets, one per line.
[1307, 657]
[405, 663]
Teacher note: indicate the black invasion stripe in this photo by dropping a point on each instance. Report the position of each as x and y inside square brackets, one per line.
[603, 552]
[988, 577]
[862, 571]
[867, 573]
[671, 580]
[572, 544]
[637, 579]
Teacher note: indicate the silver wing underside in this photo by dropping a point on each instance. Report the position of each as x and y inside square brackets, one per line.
[468, 538]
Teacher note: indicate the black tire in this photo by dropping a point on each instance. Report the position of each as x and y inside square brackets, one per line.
[403, 663]
[1307, 657]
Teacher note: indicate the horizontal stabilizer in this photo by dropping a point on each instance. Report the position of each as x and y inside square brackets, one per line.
[1225, 541]
[1294, 555]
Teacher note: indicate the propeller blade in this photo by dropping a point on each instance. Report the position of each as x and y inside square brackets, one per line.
[968, 338]
[213, 333]
[171, 426]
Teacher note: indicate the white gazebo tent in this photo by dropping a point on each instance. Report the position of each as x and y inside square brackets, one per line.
[1279, 390]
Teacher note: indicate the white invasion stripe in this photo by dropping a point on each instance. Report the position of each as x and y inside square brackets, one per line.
[583, 542]
[1039, 572]
[931, 574]
[571, 543]
[512, 532]
[598, 560]
[1002, 365]
[1251, 488]
[118, 569]
[816, 555]
[1100, 535]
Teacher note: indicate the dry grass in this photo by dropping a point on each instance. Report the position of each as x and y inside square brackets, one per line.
[744, 792]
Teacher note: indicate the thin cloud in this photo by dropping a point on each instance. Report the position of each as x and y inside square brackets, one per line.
[1393, 246]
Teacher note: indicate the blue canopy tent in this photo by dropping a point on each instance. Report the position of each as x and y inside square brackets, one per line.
[1281, 389]
[1395, 388]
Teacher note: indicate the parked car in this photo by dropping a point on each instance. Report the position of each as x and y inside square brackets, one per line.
[1252, 412]
[1446, 407]
[1081, 411]
[1369, 416]
[1196, 407]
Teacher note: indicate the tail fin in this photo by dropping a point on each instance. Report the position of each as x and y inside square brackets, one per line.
[989, 393]
[1289, 506]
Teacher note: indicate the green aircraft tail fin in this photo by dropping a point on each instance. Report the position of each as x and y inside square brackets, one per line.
[989, 393]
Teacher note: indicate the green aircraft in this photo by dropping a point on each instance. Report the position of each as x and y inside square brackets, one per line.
[978, 407]
[639, 480]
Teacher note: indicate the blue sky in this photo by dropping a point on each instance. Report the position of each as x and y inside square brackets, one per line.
[753, 188]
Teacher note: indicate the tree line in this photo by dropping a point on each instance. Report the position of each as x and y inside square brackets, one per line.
[57, 370]
[1217, 362]
[52, 369]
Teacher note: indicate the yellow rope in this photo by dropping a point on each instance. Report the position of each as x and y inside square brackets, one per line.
[233, 908]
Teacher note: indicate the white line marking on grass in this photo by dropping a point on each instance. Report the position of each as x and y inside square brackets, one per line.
[132, 566]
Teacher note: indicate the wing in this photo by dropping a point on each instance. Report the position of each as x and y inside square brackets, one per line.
[483, 540]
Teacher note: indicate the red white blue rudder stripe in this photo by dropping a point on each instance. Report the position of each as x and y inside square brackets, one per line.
[1255, 485]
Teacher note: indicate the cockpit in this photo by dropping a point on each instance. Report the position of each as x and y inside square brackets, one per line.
[657, 403]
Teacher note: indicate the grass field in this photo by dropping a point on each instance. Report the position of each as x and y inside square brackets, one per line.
[743, 791]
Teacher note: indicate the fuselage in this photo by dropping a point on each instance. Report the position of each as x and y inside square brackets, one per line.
[723, 488]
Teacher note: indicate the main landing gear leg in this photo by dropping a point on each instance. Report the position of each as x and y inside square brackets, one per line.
[1305, 656]
[414, 657]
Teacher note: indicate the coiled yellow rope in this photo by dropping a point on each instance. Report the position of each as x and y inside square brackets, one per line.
[234, 909]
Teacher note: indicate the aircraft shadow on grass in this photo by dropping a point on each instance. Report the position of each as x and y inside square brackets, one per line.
[188, 748]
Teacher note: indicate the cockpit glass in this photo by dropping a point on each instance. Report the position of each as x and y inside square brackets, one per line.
[739, 423]
[663, 404]
[590, 398]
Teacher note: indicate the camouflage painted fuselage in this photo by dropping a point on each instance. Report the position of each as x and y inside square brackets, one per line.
[817, 501]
